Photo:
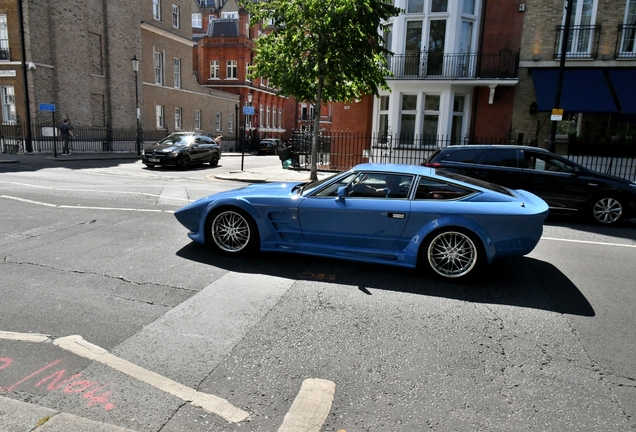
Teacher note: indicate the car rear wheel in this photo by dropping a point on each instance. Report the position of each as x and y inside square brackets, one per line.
[607, 210]
[184, 162]
[214, 160]
[453, 254]
[232, 231]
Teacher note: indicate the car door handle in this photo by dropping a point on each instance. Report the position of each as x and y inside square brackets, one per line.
[396, 215]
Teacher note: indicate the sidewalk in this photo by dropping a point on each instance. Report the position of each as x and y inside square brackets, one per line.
[271, 173]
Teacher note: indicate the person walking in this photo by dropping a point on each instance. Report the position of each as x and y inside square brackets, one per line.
[67, 134]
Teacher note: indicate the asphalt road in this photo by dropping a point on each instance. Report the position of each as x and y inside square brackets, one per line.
[171, 337]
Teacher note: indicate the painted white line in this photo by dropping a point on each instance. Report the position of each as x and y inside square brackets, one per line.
[589, 242]
[24, 337]
[85, 207]
[78, 346]
[310, 408]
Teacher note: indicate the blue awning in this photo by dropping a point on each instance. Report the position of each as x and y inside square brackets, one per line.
[583, 90]
[624, 81]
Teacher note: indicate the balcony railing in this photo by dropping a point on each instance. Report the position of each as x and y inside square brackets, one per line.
[626, 41]
[582, 42]
[431, 65]
[4, 54]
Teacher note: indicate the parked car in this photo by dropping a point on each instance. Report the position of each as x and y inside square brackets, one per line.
[270, 146]
[182, 149]
[401, 215]
[562, 183]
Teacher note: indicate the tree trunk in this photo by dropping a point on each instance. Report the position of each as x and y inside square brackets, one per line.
[314, 142]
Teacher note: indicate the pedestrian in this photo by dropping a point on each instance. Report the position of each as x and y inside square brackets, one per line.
[219, 139]
[67, 134]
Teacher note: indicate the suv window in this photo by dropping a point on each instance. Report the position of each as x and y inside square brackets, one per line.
[540, 162]
[499, 157]
[464, 155]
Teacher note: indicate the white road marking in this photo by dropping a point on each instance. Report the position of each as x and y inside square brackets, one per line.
[85, 207]
[310, 408]
[78, 346]
[588, 242]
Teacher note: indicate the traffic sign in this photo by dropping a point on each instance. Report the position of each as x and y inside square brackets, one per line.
[248, 110]
[47, 107]
[557, 114]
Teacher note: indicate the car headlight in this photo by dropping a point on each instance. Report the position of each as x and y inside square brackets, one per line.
[175, 153]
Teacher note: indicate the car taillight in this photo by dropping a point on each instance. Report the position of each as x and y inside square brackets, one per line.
[433, 164]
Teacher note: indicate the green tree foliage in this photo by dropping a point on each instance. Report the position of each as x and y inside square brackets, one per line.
[322, 50]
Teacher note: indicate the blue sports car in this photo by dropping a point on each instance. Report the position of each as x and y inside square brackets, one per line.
[401, 215]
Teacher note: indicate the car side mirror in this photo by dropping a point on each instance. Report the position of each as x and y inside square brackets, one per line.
[342, 193]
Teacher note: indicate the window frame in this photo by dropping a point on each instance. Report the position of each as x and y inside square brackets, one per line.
[160, 117]
[215, 66]
[177, 72]
[156, 10]
[197, 20]
[231, 69]
[219, 122]
[176, 16]
[178, 119]
[197, 119]
[157, 60]
[9, 109]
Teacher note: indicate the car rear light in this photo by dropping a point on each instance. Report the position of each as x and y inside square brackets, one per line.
[433, 164]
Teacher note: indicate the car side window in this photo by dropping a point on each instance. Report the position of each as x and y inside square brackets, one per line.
[464, 156]
[499, 157]
[380, 185]
[430, 189]
[332, 189]
[539, 162]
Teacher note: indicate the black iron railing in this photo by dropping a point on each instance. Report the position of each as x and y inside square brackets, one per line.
[433, 65]
[582, 41]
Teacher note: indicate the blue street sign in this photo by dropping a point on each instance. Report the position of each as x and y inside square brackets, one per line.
[47, 107]
[248, 110]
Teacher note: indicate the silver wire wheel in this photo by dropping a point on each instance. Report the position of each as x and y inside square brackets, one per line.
[231, 231]
[453, 254]
[607, 210]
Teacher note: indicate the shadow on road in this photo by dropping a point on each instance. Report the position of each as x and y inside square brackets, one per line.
[522, 282]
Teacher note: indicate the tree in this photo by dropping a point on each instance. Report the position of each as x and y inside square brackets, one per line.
[322, 50]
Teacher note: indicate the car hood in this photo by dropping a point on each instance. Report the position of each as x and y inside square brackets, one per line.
[257, 190]
[164, 148]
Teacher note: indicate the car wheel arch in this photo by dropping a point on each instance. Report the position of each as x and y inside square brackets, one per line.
[213, 211]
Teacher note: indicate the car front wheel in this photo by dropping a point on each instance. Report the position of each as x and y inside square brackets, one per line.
[453, 254]
[184, 162]
[232, 231]
[607, 210]
[214, 160]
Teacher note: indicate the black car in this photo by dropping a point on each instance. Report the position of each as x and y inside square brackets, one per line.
[563, 184]
[270, 146]
[182, 149]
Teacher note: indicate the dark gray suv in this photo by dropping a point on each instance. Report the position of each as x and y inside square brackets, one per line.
[563, 184]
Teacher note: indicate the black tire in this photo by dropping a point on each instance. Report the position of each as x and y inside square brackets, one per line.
[452, 254]
[607, 209]
[214, 160]
[185, 162]
[232, 231]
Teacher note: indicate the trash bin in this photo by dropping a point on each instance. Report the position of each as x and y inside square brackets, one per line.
[285, 153]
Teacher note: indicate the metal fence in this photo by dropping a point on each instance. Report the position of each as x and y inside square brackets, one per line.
[341, 151]
[45, 137]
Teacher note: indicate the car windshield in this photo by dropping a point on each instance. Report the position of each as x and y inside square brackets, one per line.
[472, 181]
[178, 140]
[317, 184]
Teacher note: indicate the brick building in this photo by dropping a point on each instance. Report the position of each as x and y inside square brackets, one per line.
[599, 76]
[82, 54]
[13, 70]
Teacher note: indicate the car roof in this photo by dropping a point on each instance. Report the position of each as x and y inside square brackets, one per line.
[395, 168]
[492, 147]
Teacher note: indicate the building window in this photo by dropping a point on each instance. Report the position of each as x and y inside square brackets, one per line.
[231, 69]
[247, 72]
[197, 119]
[175, 16]
[469, 7]
[260, 116]
[439, 5]
[267, 119]
[215, 69]
[156, 9]
[4, 39]
[408, 114]
[280, 117]
[431, 119]
[628, 31]
[383, 120]
[177, 73]
[161, 124]
[158, 63]
[177, 118]
[274, 117]
[230, 122]
[415, 6]
[457, 130]
[219, 126]
[197, 20]
[581, 36]
[8, 104]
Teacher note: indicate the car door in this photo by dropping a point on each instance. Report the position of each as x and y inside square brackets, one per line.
[499, 166]
[205, 148]
[556, 180]
[370, 220]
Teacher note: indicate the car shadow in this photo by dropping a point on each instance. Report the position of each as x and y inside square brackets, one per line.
[625, 229]
[521, 282]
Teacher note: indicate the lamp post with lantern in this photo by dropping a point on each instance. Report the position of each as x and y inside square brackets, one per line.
[135, 66]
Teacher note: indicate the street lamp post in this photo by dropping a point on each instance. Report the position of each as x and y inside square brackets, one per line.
[135, 66]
